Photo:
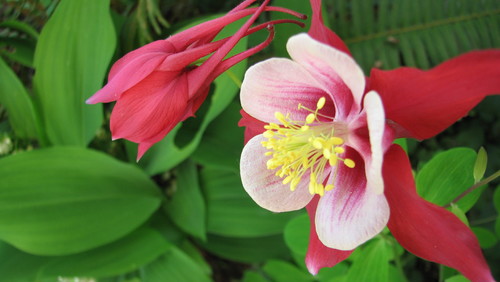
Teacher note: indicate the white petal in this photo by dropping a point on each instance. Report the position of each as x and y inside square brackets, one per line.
[266, 189]
[327, 63]
[350, 214]
[376, 124]
[279, 85]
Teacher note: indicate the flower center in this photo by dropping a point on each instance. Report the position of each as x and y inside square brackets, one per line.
[299, 147]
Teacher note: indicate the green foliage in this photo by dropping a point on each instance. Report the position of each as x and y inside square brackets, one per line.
[388, 34]
[66, 200]
[447, 176]
[17, 102]
[70, 67]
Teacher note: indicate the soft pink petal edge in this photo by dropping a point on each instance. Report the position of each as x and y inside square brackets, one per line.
[266, 189]
[302, 47]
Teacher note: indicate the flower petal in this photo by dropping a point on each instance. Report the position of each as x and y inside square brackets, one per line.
[424, 103]
[252, 126]
[321, 33]
[279, 85]
[426, 230]
[148, 111]
[130, 70]
[318, 255]
[335, 70]
[351, 213]
[266, 189]
[376, 124]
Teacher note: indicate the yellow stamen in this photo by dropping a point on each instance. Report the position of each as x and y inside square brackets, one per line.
[300, 147]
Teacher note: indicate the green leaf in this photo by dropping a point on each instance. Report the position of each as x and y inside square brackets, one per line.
[297, 234]
[20, 26]
[65, 200]
[403, 143]
[281, 271]
[188, 201]
[129, 253]
[448, 175]
[373, 264]
[174, 265]
[71, 58]
[457, 278]
[247, 250]
[414, 33]
[17, 266]
[480, 165]
[232, 213]
[17, 102]
[167, 153]
[487, 239]
[18, 49]
[253, 276]
[223, 135]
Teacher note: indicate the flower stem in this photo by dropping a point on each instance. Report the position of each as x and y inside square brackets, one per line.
[474, 187]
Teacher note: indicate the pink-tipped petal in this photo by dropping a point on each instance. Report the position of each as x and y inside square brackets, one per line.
[322, 33]
[376, 124]
[425, 103]
[351, 213]
[426, 230]
[318, 255]
[280, 85]
[334, 69]
[265, 188]
[130, 70]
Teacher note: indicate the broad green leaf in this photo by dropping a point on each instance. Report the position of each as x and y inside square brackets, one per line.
[247, 250]
[195, 254]
[403, 143]
[65, 200]
[480, 165]
[373, 264]
[187, 206]
[232, 213]
[334, 273]
[20, 26]
[253, 276]
[129, 253]
[223, 135]
[183, 140]
[282, 271]
[18, 103]
[448, 175]
[457, 278]
[297, 234]
[17, 266]
[174, 265]
[71, 58]
[487, 239]
[18, 49]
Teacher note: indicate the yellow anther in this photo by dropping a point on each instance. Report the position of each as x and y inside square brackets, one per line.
[312, 187]
[287, 179]
[329, 187]
[318, 143]
[304, 128]
[349, 163]
[339, 150]
[326, 153]
[321, 103]
[294, 183]
[268, 153]
[310, 118]
[320, 190]
[337, 141]
[268, 134]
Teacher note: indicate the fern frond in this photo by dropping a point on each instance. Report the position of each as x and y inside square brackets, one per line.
[392, 33]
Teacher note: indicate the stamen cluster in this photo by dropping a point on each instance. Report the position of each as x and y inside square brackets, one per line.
[301, 148]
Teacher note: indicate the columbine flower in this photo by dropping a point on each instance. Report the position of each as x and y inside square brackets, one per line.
[158, 85]
[317, 137]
